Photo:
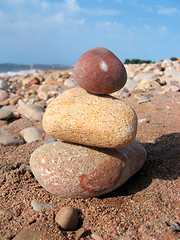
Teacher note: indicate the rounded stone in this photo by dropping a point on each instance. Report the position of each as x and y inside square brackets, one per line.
[67, 218]
[3, 95]
[31, 111]
[100, 71]
[31, 134]
[89, 119]
[5, 114]
[72, 170]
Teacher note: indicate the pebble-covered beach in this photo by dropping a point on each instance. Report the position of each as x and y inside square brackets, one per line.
[145, 207]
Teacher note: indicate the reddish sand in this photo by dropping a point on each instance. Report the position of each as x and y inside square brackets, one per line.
[145, 207]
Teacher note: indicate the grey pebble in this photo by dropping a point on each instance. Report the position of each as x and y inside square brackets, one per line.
[143, 100]
[37, 206]
[5, 114]
[3, 85]
[7, 139]
[31, 134]
[51, 141]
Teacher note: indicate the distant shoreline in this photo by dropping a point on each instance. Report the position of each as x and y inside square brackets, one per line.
[11, 67]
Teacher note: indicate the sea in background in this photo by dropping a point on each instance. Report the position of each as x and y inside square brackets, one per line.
[11, 69]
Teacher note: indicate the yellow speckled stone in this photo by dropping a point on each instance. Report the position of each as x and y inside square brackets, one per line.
[94, 120]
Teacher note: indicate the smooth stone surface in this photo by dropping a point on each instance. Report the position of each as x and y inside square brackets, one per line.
[5, 114]
[31, 134]
[144, 99]
[3, 95]
[37, 206]
[51, 140]
[72, 170]
[31, 111]
[67, 217]
[35, 231]
[89, 119]
[100, 71]
[3, 85]
[174, 88]
[6, 138]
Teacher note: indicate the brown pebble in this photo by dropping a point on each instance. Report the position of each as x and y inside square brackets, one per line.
[67, 218]
[100, 71]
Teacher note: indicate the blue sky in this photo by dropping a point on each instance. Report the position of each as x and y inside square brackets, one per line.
[60, 31]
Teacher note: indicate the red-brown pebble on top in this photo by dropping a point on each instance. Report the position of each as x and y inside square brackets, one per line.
[99, 71]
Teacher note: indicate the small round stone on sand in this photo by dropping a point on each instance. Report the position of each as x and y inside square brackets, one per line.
[67, 218]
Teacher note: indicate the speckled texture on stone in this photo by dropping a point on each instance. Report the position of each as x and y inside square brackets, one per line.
[100, 71]
[72, 170]
[88, 119]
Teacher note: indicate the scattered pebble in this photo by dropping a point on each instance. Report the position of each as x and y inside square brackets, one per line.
[174, 88]
[144, 99]
[37, 206]
[5, 114]
[7, 139]
[51, 141]
[69, 83]
[143, 120]
[31, 134]
[3, 95]
[95, 236]
[31, 111]
[3, 85]
[80, 232]
[175, 226]
[67, 217]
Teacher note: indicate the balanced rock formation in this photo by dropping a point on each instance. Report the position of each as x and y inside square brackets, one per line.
[80, 117]
[100, 71]
[72, 170]
[95, 152]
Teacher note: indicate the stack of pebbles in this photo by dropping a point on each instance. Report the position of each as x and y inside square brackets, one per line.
[95, 152]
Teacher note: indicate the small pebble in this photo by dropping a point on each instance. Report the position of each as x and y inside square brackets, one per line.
[143, 100]
[174, 88]
[69, 83]
[67, 218]
[37, 206]
[51, 140]
[3, 95]
[80, 232]
[31, 111]
[143, 120]
[5, 114]
[3, 85]
[165, 96]
[7, 139]
[175, 226]
[95, 236]
[31, 134]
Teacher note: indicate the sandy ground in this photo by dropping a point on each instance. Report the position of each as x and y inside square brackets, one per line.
[145, 207]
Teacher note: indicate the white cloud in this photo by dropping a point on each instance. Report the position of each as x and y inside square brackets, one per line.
[101, 12]
[111, 26]
[162, 31]
[167, 11]
[55, 19]
[72, 6]
[45, 6]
